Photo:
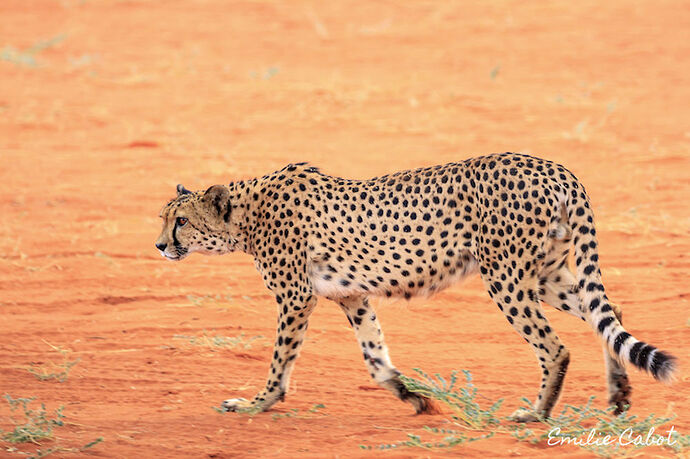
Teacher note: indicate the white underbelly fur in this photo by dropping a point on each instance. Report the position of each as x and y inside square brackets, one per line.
[332, 288]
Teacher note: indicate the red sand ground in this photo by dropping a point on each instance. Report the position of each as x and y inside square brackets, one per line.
[133, 97]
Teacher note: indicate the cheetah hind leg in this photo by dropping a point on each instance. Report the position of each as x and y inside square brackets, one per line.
[520, 304]
[557, 287]
[363, 319]
[617, 379]
[421, 404]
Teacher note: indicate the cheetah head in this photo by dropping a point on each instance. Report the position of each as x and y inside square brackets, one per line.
[197, 222]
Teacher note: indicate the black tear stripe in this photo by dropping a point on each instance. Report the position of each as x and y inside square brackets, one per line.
[178, 245]
[176, 242]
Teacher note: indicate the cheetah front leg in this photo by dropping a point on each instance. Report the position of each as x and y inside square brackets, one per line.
[295, 305]
[363, 319]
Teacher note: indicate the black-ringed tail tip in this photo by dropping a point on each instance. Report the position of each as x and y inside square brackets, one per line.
[661, 365]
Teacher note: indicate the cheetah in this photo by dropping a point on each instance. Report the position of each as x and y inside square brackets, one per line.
[510, 217]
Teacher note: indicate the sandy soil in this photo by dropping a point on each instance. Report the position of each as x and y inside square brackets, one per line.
[106, 105]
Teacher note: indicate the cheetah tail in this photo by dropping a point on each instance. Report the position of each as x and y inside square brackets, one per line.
[623, 346]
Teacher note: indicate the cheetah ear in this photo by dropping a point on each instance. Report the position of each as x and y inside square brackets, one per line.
[217, 198]
[182, 190]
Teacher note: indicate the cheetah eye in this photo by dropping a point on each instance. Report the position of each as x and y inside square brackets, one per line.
[181, 221]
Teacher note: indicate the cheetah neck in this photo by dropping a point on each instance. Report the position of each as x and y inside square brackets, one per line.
[243, 217]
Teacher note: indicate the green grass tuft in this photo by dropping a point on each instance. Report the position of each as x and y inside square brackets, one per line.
[583, 426]
[54, 371]
[215, 342]
[27, 57]
[462, 400]
[37, 426]
[294, 413]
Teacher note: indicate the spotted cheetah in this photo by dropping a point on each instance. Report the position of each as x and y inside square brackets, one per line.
[510, 217]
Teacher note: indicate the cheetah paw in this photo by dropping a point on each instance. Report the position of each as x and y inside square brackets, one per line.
[523, 415]
[237, 405]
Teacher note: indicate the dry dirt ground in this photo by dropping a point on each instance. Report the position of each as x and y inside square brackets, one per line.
[106, 105]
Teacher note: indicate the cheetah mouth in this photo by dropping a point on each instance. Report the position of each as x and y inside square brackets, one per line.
[171, 257]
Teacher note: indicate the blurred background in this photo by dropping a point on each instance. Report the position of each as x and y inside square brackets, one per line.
[106, 105]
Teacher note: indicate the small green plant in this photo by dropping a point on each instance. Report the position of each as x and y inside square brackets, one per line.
[585, 426]
[200, 300]
[54, 371]
[463, 401]
[39, 453]
[215, 342]
[28, 56]
[251, 411]
[37, 426]
[294, 413]
[221, 301]
[451, 438]
[602, 432]
[468, 413]
[212, 299]
[494, 72]
[265, 75]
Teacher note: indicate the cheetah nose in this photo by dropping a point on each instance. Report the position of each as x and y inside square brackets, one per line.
[161, 247]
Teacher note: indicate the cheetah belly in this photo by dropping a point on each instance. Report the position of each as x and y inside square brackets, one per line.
[464, 268]
[335, 280]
